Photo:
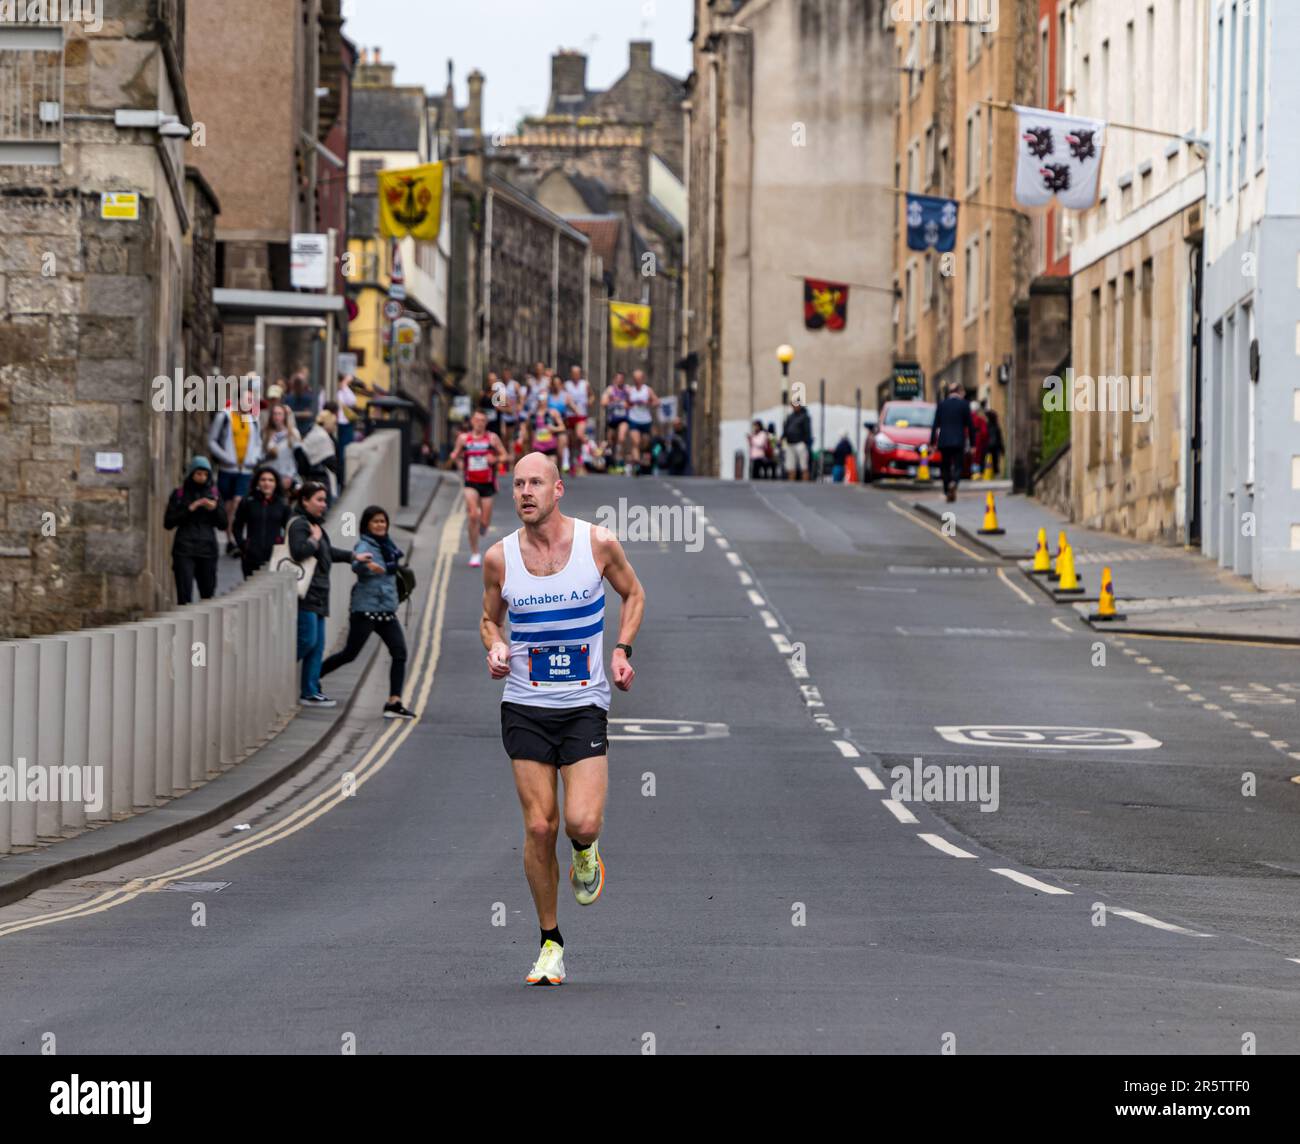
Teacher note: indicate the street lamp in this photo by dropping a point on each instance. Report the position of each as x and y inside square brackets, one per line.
[785, 355]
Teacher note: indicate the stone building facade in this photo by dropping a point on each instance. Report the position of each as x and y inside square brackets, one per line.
[791, 135]
[92, 309]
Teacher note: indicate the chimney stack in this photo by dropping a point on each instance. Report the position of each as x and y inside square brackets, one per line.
[640, 55]
[568, 80]
[474, 109]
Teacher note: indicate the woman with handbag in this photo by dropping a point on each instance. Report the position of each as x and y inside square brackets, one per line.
[378, 565]
[309, 547]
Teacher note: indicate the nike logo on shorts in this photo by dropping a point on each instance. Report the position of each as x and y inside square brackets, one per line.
[596, 743]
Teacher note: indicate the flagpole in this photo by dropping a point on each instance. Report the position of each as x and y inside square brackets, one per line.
[840, 282]
[1184, 136]
[959, 202]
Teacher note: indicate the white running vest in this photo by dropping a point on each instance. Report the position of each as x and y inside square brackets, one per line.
[557, 626]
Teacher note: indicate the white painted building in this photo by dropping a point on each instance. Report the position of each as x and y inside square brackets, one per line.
[1250, 386]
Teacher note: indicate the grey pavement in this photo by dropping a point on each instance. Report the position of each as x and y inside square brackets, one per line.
[1162, 590]
[768, 888]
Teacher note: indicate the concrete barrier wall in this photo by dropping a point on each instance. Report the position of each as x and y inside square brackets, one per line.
[101, 724]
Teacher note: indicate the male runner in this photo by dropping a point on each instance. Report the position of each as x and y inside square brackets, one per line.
[482, 451]
[548, 577]
[578, 392]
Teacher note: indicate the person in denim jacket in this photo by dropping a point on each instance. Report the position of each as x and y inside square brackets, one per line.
[374, 606]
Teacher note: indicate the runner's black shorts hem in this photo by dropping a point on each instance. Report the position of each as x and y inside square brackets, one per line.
[559, 736]
[483, 488]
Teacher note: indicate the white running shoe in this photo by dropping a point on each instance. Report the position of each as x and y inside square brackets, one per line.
[476, 561]
[549, 968]
[587, 874]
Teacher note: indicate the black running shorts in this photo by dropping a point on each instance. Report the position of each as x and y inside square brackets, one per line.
[556, 735]
[483, 488]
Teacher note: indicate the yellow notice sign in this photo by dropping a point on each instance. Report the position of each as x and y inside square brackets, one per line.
[121, 206]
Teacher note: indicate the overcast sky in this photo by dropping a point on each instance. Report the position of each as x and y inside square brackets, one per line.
[511, 42]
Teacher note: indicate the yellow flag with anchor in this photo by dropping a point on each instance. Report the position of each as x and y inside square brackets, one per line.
[629, 325]
[410, 202]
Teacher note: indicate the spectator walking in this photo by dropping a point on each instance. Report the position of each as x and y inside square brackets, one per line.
[981, 443]
[797, 439]
[261, 520]
[280, 442]
[374, 607]
[308, 540]
[194, 511]
[953, 428]
[318, 455]
[235, 440]
[758, 447]
[346, 408]
[997, 445]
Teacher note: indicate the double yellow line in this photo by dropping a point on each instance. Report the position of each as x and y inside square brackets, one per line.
[428, 648]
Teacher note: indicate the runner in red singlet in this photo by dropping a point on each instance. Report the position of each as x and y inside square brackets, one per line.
[481, 452]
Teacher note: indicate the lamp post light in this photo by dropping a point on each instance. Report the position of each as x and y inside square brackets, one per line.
[785, 355]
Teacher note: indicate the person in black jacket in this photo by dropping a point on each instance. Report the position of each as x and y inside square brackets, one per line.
[194, 510]
[308, 540]
[953, 427]
[797, 438]
[260, 520]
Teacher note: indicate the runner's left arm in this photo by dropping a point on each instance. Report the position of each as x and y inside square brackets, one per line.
[494, 612]
[500, 447]
[619, 572]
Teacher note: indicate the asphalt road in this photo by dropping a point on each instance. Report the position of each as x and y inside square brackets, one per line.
[806, 644]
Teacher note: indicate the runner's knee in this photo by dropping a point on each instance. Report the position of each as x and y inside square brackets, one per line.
[541, 830]
[583, 826]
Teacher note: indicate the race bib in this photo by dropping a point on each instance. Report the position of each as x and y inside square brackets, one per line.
[544, 434]
[478, 462]
[559, 666]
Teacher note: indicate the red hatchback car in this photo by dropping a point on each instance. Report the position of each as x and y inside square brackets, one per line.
[894, 446]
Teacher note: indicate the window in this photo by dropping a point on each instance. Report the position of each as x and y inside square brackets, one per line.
[1176, 68]
[370, 169]
[1103, 108]
[910, 299]
[971, 280]
[1044, 63]
[1149, 95]
[1245, 94]
[1062, 54]
[1216, 94]
[972, 44]
[988, 266]
[911, 167]
[972, 149]
[931, 39]
[1261, 28]
[988, 131]
[928, 291]
[1231, 91]
[31, 95]
[1061, 242]
[1085, 89]
[1130, 62]
[931, 157]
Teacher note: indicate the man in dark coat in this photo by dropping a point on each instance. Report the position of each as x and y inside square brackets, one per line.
[953, 427]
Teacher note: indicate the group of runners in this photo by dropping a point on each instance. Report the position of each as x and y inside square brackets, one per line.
[545, 415]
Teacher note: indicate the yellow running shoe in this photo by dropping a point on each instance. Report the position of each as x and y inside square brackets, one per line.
[549, 969]
[587, 874]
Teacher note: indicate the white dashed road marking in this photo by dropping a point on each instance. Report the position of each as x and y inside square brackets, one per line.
[848, 750]
[868, 776]
[1032, 883]
[942, 844]
[1156, 923]
[898, 810]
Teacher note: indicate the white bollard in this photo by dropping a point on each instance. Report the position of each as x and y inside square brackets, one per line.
[50, 700]
[145, 731]
[8, 654]
[182, 701]
[76, 727]
[124, 642]
[99, 735]
[25, 688]
[196, 678]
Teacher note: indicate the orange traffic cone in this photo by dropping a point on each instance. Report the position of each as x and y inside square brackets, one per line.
[1061, 545]
[1065, 565]
[991, 519]
[1106, 605]
[1042, 558]
[850, 470]
[923, 469]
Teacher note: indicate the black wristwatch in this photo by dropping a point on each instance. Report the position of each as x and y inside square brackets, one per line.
[627, 649]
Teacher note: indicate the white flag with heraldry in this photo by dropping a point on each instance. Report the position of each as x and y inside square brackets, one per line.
[1060, 155]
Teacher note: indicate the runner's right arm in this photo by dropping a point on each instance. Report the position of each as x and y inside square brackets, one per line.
[494, 612]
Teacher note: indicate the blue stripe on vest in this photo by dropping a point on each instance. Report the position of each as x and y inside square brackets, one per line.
[558, 613]
[558, 635]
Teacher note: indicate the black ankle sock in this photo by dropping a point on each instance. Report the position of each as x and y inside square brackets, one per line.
[552, 935]
[580, 846]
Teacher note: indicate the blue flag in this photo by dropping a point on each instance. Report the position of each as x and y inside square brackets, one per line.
[931, 222]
